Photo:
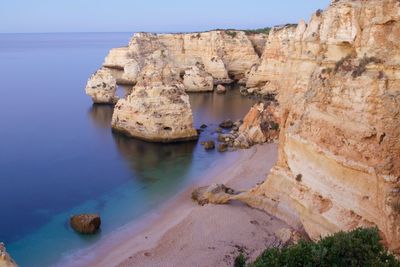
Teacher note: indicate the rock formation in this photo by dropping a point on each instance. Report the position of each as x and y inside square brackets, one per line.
[158, 109]
[102, 87]
[5, 258]
[337, 82]
[260, 125]
[86, 223]
[198, 80]
[161, 67]
[223, 54]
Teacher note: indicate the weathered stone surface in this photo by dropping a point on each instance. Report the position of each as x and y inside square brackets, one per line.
[260, 125]
[198, 80]
[213, 194]
[337, 80]
[158, 109]
[86, 223]
[5, 258]
[102, 87]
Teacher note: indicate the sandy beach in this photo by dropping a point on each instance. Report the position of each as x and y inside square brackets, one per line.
[181, 233]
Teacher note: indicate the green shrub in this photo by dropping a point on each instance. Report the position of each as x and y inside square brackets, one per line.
[240, 261]
[360, 247]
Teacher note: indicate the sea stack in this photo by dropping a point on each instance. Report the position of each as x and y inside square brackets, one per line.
[157, 110]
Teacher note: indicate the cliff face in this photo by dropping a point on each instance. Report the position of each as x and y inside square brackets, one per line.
[338, 85]
[162, 67]
[224, 54]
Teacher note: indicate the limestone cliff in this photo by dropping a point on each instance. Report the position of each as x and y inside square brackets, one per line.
[338, 85]
[224, 54]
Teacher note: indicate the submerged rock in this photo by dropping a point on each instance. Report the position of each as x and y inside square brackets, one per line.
[102, 87]
[86, 223]
[5, 258]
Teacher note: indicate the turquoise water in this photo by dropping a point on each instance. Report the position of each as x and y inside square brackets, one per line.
[59, 157]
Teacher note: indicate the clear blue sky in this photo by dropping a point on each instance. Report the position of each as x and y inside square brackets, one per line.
[149, 15]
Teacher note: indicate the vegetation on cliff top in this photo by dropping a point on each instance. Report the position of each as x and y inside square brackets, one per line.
[360, 247]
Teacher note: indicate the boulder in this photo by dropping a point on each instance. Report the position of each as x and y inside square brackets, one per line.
[221, 89]
[226, 124]
[223, 147]
[214, 194]
[86, 223]
[102, 87]
[196, 79]
[209, 145]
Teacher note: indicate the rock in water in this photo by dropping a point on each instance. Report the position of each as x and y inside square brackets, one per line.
[157, 110]
[209, 145]
[102, 87]
[226, 124]
[5, 258]
[86, 223]
[198, 80]
[223, 147]
[221, 89]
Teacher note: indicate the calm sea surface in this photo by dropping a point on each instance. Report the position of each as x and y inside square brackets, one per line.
[58, 156]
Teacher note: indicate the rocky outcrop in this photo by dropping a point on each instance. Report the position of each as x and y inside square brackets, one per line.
[198, 80]
[337, 80]
[260, 125]
[158, 109]
[5, 258]
[102, 87]
[86, 223]
[223, 54]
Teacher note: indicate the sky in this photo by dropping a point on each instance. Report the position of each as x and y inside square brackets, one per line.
[40, 16]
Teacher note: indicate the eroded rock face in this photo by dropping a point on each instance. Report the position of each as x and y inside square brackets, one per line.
[157, 110]
[260, 125]
[198, 80]
[338, 85]
[5, 258]
[224, 54]
[102, 87]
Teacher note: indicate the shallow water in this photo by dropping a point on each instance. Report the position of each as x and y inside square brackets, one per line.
[58, 155]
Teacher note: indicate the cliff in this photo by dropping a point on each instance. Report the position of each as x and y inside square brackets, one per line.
[338, 84]
[162, 68]
[224, 54]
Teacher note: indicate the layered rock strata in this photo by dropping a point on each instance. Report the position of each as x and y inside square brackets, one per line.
[337, 80]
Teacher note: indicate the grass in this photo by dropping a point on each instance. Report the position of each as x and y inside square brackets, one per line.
[360, 247]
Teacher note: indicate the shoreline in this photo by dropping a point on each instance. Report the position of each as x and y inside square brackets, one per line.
[158, 238]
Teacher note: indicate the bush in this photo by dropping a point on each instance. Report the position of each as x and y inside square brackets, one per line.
[240, 261]
[360, 247]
